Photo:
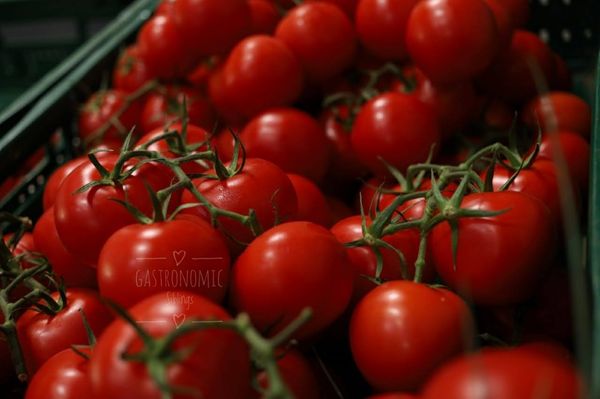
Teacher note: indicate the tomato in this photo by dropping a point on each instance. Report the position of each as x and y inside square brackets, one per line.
[297, 375]
[363, 258]
[381, 26]
[511, 76]
[24, 247]
[504, 374]
[65, 265]
[99, 110]
[312, 204]
[140, 260]
[401, 331]
[216, 366]
[265, 16]
[260, 72]
[370, 194]
[63, 376]
[397, 128]
[84, 221]
[42, 336]
[576, 152]
[348, 6]
[165, 106]
[260, 185]
[559, 111]
[130, 72]
[504, 22]
[288, 268]
[195, 136]
[511, 266]
[56, 179]
[212, 26]
[452, 40]
[289, 138]
[321, 36]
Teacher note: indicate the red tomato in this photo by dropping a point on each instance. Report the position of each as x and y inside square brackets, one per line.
[65, 265]
[217, 364]
[576, 152]
[265, 16]
[512, 263]
[401, 331]
[63, 376]
[260, 72]
[559, 111]
[504, 22]
[84, 221]
[99, 110]
[321, 36]
[348, 6]
[363, 258]
[289, 138]
[370, 194]
[452, 40]
[288, 268]
[140, 260]
[396, 127]
[130, 71]
[312, 205]
[42, 336]
[381, 26]
[212, 26]
[56, 179]
[165, 106]
[504, 374]
[25, 246]
[260, 185]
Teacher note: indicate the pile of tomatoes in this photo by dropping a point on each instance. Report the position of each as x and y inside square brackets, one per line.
[334, 198]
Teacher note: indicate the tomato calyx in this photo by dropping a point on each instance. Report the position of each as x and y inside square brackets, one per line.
[237, 163]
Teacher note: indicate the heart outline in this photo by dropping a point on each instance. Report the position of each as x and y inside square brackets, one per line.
[178, 256]
[178, 319]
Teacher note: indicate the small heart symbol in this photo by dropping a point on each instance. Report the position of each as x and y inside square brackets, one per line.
[178, 256]
[178, 319]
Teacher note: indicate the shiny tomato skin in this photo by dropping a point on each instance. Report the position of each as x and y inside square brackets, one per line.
[63, 376]
[84, 221]
[42, 336]
[65, 265]
[504, 374]
[559, 111]
[261, 186]
[402, 331]
[321, 36]
[312, 204]
[218, 365]
[288, 268]
[381, 26]
[291, 139]
[265, 16]
[56, 179]
[576, 152]
[510, 268]
[141, 260]
[396, 127]
[452, 40]
[261, 72]
[130, 72]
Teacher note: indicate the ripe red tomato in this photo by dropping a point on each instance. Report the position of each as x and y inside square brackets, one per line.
[511, 266]
[217, 364]
[321, 36]
[65, 265]
[165, 106]
[381, 27]
[348, 6]
[98, 111]
[212, 26]
[576, 152]
[289, 138]
[397, 128]
[452, 40]
[288, 268]
[260, 185]
[63, 376]
[265, 16]
[261, 72]
[401, 331]
[140, 260]
[56, 179]
[84, 221]
[559, 111]
[504, 374]
[42, 336]
[130, 72]
[312, 204]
